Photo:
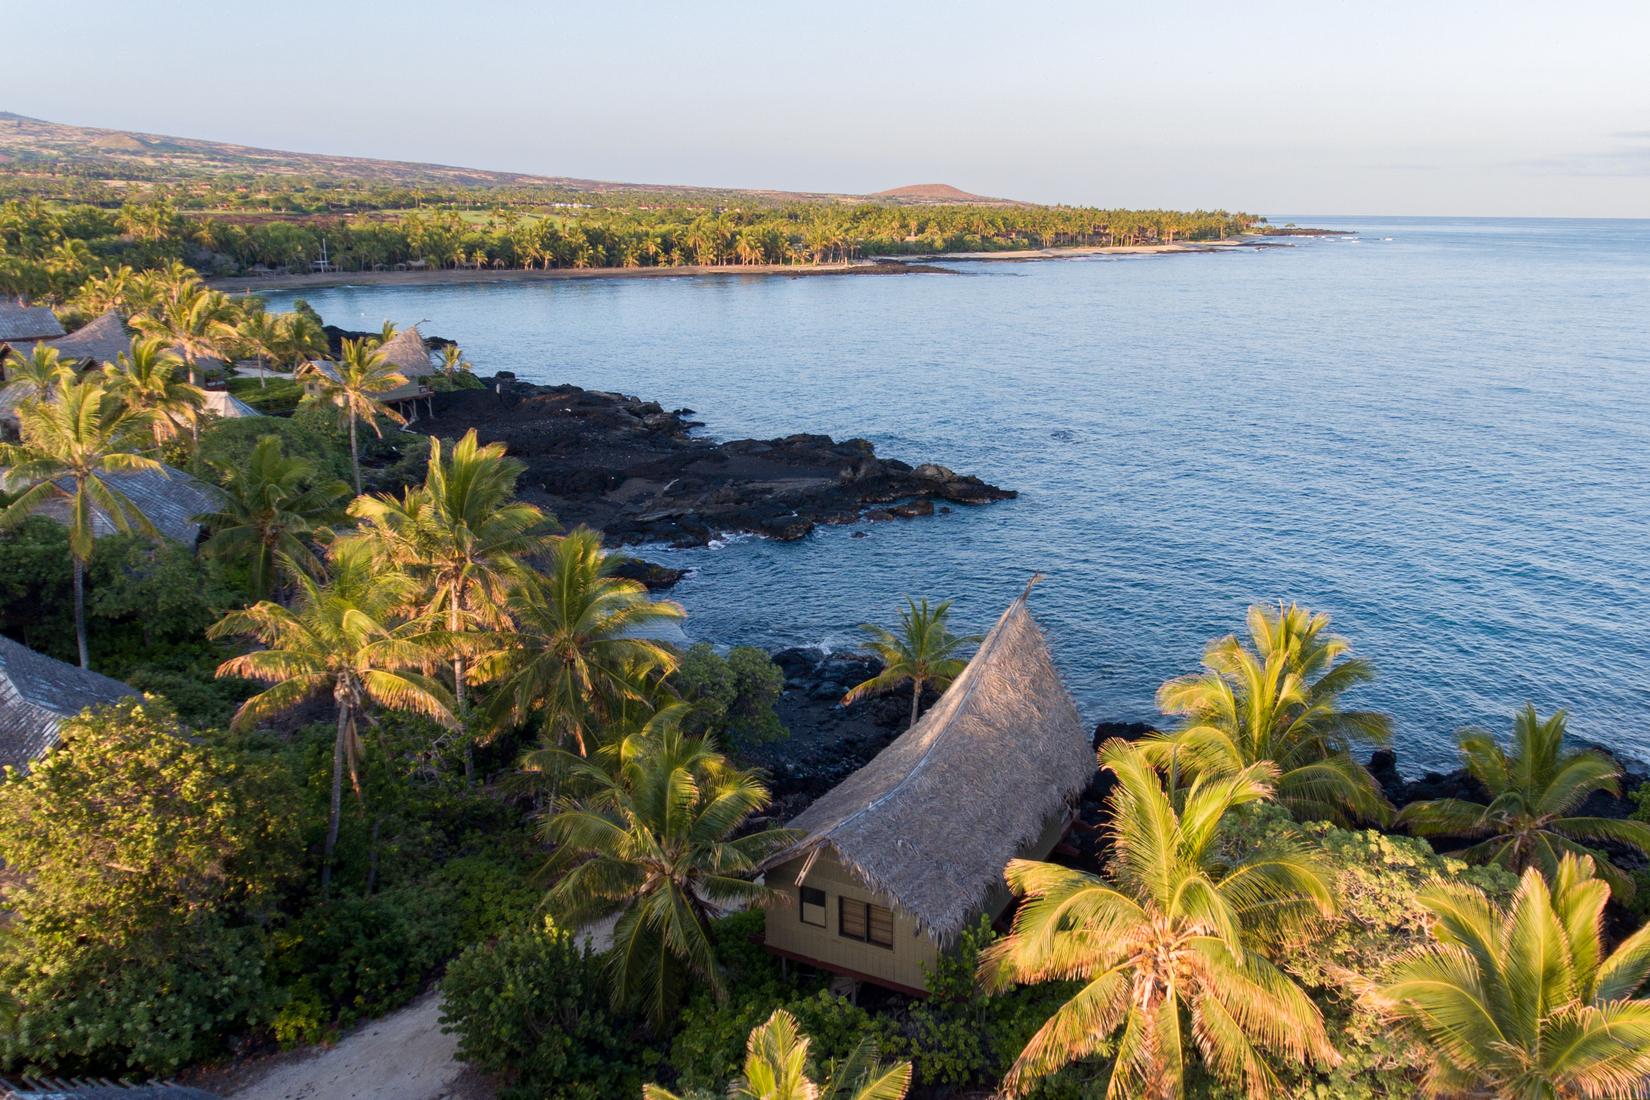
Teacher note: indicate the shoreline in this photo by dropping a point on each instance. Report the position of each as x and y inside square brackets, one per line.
[923, 264]
[254, 284]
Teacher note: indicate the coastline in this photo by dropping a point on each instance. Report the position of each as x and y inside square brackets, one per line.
[924, 264]
[254, 284]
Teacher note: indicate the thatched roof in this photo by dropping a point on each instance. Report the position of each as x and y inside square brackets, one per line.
[37, 693]
[171, 499]
[930, 823]
[407, 352]
[100, 340]
[224, 404]
[19, 322]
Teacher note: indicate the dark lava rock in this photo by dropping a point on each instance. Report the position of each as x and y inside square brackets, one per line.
[636, 472]
[656, 577]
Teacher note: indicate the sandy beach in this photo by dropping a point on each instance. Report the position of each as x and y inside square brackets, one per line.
[879, 265]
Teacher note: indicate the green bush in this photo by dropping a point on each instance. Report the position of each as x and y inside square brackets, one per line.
[143, 867]
[732, 696]
[532, 1007]
[271, 396]
[229, 443]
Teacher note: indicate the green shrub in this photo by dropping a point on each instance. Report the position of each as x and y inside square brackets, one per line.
[143, 865]
[271, 396]
[229, 443]
[732, 696]
[532, 1007]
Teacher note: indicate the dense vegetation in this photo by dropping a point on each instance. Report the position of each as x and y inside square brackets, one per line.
[393, 727]
[49, 250]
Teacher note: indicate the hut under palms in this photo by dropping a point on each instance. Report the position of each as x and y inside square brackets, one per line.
[903, 855]
[37, 693]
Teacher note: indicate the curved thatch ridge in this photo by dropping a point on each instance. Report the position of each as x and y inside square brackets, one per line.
[930, 823]
[407, 352]
[100, 340]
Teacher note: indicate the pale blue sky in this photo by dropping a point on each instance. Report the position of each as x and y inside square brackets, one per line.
[1511, 108]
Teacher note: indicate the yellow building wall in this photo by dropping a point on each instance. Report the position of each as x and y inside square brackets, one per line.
[901, 965]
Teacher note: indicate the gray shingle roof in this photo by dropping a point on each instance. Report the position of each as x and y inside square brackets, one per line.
[171, 500]
[37, 693]
[21, 322]
[101, 340]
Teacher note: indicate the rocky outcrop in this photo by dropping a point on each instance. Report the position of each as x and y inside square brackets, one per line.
[638, 473]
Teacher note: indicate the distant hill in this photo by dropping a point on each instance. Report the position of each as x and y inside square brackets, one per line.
[938, 192]
[33, 145]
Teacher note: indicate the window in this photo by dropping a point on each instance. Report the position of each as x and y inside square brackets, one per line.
[813, 906]
[867, 923]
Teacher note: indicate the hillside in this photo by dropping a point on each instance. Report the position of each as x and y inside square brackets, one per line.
[939, 192]
[33, 146]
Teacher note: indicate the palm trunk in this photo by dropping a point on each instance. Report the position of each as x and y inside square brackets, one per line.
[335, 810]
[355, 454]
[916, 699]
[80, 611]
[453, 620]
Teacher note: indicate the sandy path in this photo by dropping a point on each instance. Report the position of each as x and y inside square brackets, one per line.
[403, 1056]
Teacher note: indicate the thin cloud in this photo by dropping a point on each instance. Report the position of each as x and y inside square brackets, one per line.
[1633, 162]
[1631, 135]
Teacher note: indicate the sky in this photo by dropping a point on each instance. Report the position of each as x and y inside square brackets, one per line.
[1508, 108]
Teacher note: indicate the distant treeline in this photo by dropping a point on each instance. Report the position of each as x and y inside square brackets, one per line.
[48, 250]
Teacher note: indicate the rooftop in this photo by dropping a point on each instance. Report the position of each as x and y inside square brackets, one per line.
[37, 693]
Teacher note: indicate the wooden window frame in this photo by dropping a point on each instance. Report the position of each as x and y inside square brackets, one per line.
[823, 904]
[866, 907]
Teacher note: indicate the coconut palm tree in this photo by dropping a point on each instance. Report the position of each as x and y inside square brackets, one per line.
[1533, 792]
[1524, 1002]
[923, 652]
[356, 382]
[341, 636]
[777, 1068]
[572, 655]
[198, 323]
[273, 508]
[32, 378]
[260, 336]
[146, 378]
[453, 362]
[1175, 933]
[463, 535]
[300, 338]
[72, 440]
[657, 842]
[1278, 700]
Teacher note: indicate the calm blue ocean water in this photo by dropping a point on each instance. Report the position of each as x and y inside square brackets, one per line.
[1439, 432]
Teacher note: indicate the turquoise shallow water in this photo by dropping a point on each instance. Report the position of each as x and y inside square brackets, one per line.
[1439, 433]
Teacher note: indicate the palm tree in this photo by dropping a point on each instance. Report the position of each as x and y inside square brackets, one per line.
[453, 362]
[1524, 1001]
[1533, 794]
[260, 336]
[343, 637]
[657, 842]
[1175, 932]
[300, 339]
[273, 506]
[776, 1068]
[1280, 702]
[572, 655]
[923, 652]
[72, 440]
[193, 320]
[356, 382]
[463, 535]
[146, 379]
[32, 379]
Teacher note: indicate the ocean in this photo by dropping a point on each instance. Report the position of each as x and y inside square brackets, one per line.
[1438, 431]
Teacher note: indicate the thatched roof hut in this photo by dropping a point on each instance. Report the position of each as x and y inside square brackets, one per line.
[924, 830]
[100, 340]
[407, 352]
[37, 693]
